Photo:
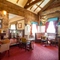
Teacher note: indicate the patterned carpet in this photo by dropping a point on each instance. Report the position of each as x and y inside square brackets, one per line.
[39, 52]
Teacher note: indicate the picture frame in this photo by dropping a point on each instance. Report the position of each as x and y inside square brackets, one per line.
[20, 24]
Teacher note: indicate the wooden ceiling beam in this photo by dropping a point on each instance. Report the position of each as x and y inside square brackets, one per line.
[14, 9]
[31, 7]
[29, 1]
[30, 4]
[17, 1]
[47, 5]
[57, 4]
[38, 6]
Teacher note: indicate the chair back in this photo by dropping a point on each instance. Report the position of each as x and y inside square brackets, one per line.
[23, 39]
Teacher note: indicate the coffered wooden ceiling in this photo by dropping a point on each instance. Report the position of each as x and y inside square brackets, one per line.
[32, 5]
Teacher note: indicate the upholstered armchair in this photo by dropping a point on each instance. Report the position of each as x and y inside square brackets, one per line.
[4, 46]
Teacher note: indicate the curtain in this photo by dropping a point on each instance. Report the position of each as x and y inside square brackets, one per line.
[31, 30]
[55, 24]
[46, 26]
[36, 27]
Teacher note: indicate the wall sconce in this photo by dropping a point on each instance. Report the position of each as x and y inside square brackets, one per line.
[4, 12]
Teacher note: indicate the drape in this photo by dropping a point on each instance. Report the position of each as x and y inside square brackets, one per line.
[46, 26]
[55, 25]
[36, 27]
[31, 30]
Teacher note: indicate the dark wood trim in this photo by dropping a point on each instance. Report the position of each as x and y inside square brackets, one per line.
[54, 5]
[17, 1]
[30, 4]
[47, 5]
[38, 6]
[59, 48]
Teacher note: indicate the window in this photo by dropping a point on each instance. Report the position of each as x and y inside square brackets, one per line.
[13, 28]
[51, 27]
[42, 29]
[34, 29]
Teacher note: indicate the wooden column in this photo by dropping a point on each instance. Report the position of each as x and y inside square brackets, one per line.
[59, 48]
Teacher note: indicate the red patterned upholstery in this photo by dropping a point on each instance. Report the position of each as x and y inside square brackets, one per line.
[38, 36]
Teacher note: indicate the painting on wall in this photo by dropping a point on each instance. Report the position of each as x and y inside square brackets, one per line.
[20, 25]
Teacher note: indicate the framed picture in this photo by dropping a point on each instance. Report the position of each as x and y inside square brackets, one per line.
[0, 23]
[20, 25]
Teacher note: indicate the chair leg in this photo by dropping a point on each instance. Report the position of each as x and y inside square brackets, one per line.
[31, 45]
[25, 47]
[8, 53]
[0, 56]
[20, 45]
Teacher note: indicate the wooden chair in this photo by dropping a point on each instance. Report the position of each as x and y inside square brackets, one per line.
[25, 44]
[44, 40]
[52, 38]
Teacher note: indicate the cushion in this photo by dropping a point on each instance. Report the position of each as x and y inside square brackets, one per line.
[5, 41]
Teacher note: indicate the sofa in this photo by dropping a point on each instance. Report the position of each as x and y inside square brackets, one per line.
[38, 37]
